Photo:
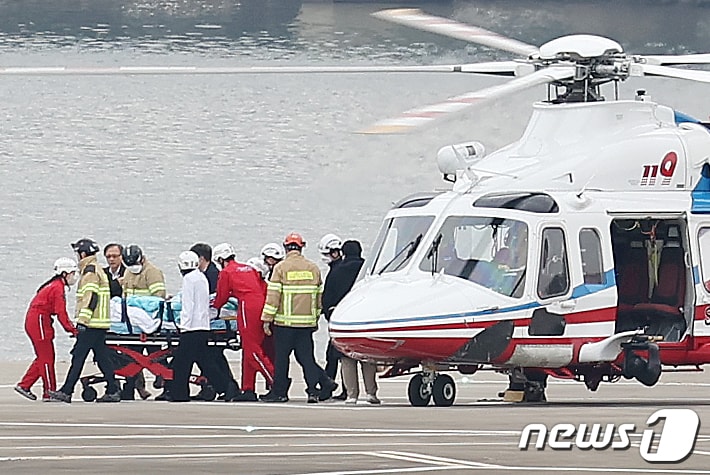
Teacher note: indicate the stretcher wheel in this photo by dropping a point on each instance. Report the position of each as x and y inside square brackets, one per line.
[88, 394]
[207, 393]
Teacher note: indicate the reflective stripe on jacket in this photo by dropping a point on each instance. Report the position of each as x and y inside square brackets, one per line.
[93, 295]
[293, 297]
[149, 281]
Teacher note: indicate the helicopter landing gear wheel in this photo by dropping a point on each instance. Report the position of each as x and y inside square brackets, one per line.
[444, 390]
[419, 390]
[88, 394]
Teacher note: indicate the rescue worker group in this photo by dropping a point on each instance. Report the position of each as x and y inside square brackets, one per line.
[279, 299]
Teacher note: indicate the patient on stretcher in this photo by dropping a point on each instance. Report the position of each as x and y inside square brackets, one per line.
[149, 314]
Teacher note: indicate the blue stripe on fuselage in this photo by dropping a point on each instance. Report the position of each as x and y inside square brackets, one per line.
[580, 291]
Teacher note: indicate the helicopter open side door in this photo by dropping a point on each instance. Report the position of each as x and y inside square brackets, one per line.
[655, 283]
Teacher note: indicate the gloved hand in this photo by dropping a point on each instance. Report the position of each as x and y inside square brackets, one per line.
[267, 328]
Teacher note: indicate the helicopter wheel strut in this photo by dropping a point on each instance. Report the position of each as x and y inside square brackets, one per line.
[429, 384]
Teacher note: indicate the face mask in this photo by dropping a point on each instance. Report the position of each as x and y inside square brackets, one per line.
[135, 268]
[326, 258]
[71, 279]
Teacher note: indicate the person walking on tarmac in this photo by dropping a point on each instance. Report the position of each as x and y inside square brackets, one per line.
[49, 300]
[293, 306]
[115, 269]
[272, 254]
[194, 329]
[244, 282]
[92, 316]
[329, 248]
[142, 278]
[342, 280]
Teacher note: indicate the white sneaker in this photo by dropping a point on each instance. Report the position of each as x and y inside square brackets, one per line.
[372, 399]
[351, 400]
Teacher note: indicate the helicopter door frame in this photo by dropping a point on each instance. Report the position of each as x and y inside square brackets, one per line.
[699, 227]
[548, 260]
[671, 230]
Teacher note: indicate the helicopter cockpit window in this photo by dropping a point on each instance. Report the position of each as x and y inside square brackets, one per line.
[553, 279]
[492, 252]
[704, 245]
[398, 239]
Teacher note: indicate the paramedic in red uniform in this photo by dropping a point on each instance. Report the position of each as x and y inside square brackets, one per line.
[245, 283]
[49, 300]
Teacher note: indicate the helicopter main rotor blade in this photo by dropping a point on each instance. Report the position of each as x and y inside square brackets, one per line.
[504, 68]
[667, 60]
[415, 18]
[665, 71]
[424, 116]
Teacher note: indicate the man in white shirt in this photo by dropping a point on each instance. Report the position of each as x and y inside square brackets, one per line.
[194, 329]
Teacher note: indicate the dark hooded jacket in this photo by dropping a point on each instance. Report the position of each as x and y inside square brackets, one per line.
[341, 278]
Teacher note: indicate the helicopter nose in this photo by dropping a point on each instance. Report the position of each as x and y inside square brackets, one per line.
[393, 318]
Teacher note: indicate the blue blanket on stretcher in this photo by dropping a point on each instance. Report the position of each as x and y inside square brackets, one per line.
[152, 309]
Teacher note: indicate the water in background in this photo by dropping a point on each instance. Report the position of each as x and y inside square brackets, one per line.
[168, 161]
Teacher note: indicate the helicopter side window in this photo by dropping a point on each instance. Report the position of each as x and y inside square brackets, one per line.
[553, 279]
[491, 252]
[704, 245]
[591, 250]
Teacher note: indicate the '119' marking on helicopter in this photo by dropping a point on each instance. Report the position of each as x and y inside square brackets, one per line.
[667, 167]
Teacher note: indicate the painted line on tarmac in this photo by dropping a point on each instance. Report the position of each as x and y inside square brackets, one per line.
[439, 460]
[233, 446]
[228, 436]
[250, 429]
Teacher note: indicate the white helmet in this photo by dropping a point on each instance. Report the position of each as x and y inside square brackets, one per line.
[329, 242]
[259, 265]
[223, 251]
[65, 264]
[273, 250]
[188, 260]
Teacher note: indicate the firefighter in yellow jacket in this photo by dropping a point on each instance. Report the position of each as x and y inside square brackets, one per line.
[293, 304]
[141, 278]
[92, 322]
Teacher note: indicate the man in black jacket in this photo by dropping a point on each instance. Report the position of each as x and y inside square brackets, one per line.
[115, 268]
[342, 278]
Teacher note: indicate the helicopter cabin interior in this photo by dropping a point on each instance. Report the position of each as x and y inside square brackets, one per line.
[654, 284]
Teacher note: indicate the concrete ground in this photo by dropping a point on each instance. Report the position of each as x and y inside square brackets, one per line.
[477, 434]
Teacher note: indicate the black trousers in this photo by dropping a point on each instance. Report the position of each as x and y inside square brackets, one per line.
[91, 339]
[332, 357]
[193, 348]
[299, 341]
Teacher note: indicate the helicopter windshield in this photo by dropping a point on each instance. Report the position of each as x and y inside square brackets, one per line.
[491, 252]
[398, 239]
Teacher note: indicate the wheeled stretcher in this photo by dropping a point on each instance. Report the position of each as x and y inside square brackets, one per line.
[127, 341]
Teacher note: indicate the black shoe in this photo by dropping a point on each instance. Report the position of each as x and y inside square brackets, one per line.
[272, 397]
[341, 397]
[26, 393]
[58, 396]
[313, 399]
[110, 397]
[233, 391]
[246, 396]
[327, 388]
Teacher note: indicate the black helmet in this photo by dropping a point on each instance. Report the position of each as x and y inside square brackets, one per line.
[132, 255]
[86, 245]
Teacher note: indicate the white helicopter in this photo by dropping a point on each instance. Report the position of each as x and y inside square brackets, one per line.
[580, 251]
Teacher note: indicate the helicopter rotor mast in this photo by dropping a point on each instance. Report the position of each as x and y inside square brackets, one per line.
[594, 60]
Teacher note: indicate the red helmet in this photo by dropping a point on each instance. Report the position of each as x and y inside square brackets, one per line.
[294, 238]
